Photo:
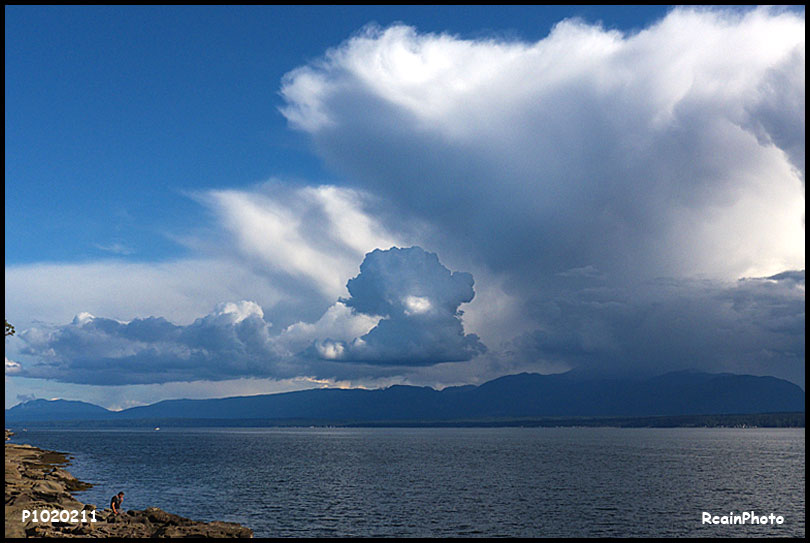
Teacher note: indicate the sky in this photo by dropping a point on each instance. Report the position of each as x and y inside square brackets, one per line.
[217, 201]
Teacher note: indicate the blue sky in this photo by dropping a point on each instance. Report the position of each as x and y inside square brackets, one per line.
[116, 112]
[189, 191]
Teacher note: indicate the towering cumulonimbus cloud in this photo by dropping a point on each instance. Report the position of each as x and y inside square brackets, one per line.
[418, 299]
[597, 183]
[674, 151]
[626, 202]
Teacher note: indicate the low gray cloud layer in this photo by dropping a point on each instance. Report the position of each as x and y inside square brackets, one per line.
[749, 326]
[232, 341]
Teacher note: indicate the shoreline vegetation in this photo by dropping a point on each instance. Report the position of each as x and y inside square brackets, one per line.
[757, 420]
[36, 481]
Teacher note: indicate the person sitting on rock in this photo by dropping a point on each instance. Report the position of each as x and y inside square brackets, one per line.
[115, 503]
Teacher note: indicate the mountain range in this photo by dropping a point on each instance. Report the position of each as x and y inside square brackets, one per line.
[519, 396]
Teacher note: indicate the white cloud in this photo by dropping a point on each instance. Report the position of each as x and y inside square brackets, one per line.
[319, 233]
[339, 323]
[403, 310]
[416, 305]
[674, 151]
[290, 249]
[12, 367]
[240, 311]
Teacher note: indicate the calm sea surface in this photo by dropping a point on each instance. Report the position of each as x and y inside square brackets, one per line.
[440, 482]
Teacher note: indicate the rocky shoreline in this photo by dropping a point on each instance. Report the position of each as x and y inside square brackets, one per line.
[37, 482]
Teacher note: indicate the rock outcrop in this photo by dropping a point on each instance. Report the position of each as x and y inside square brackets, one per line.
[36, 481]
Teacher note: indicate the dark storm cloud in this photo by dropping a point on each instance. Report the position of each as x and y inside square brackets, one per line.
[418, 299]
[752, 326]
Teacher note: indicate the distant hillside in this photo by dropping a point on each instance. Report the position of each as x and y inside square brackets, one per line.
[511, 397]
[48, 410]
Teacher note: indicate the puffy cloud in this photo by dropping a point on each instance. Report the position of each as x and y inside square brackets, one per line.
[418, 299]
[673, 151]
[232, 341]
[339, 323]
[403, 310]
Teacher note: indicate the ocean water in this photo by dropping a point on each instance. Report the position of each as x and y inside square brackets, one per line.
[444, 482]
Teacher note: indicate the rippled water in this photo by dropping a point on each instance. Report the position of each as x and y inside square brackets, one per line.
[435, 482]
